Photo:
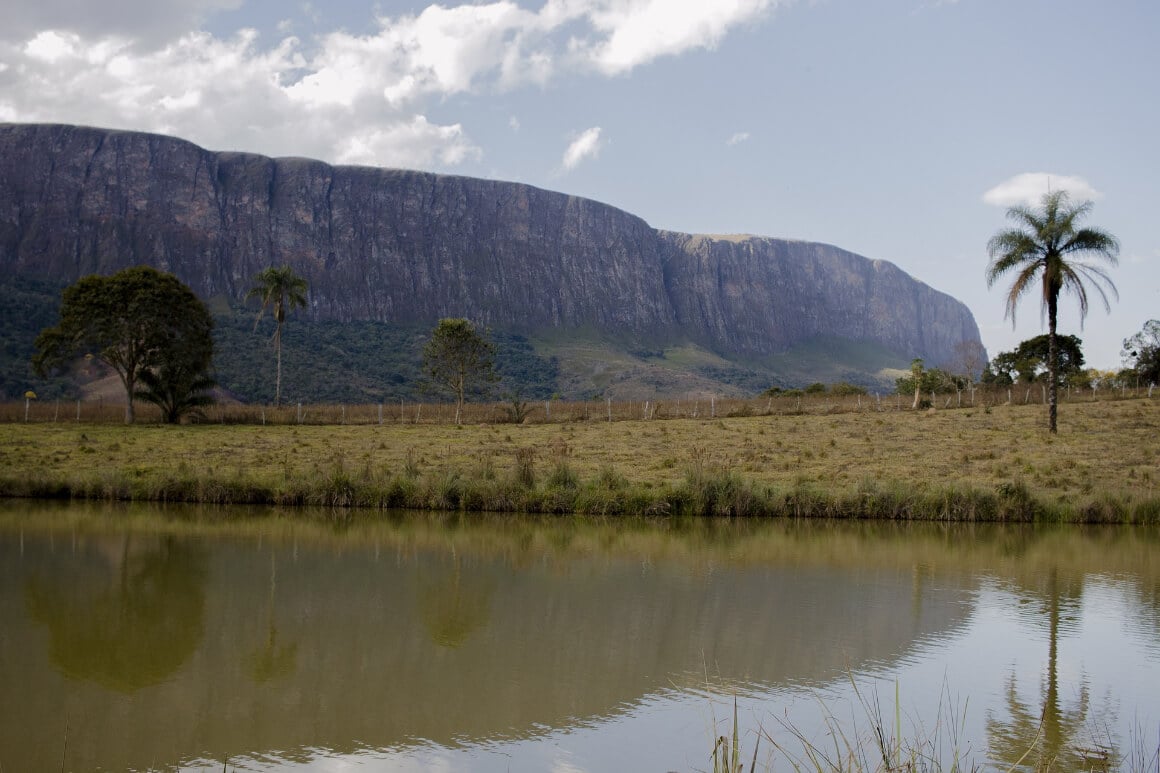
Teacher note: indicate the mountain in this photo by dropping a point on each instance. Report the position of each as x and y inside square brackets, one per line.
[405, 248]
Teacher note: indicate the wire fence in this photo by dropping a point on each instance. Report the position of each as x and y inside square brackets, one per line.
[107, 411]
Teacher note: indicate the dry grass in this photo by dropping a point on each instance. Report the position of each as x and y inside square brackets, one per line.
[1104, 462]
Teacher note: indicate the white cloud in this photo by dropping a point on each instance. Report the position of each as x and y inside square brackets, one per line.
[341, 96]
[514, 124]
[635, 32]
[586, 145]
[1029, 188]
[416, 142]
[51, 46]
[737, 138]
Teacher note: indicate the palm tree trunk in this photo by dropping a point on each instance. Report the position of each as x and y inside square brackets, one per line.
[278, 357]
[1054, 738]
[1052, 361]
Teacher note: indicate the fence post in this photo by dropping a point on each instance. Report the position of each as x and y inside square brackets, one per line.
[299, 413]
[78, 410]
[609, 410]
[380, 414]
[713, 407]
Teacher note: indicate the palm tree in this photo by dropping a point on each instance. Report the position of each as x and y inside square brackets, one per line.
[280, 290]
[178, 387]
[1048, 245]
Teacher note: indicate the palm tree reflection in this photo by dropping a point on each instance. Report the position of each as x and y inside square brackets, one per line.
[272, 660]
[452, 609]
[1053, 737]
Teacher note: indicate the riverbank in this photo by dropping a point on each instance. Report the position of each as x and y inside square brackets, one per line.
[977, 464]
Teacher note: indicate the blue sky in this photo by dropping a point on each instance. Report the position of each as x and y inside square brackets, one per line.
[898, 129]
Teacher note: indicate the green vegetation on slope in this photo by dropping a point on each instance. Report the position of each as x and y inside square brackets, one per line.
[323, 362]
[27, 306]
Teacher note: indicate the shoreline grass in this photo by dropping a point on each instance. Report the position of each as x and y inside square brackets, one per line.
[986, 464]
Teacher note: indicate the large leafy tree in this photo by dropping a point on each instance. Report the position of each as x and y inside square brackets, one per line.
[1028, 361]
[1141, 352]
[458, 359]
[280, 290]
[133, 321]
[1048, 246]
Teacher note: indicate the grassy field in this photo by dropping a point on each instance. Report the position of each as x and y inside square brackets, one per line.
[981, 463]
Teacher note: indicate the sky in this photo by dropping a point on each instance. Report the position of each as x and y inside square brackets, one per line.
[901, 130]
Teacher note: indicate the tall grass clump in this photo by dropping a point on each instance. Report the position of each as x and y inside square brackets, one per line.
[525, 469]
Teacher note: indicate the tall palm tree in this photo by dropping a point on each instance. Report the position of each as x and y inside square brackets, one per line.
[1047, 244]
[280, 290]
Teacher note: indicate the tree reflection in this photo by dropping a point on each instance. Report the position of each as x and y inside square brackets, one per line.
[452, 609]
[272, 660]
[1052, 737]
[131, 623]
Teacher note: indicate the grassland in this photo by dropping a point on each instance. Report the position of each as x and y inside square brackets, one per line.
[864, 459]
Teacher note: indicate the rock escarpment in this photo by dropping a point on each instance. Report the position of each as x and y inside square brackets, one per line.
[410, 247]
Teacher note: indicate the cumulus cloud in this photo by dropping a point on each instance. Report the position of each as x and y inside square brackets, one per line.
[586, 145]
[737, 138]
[341, 97]
[414, 142]
[1029, 188]
[634, 32]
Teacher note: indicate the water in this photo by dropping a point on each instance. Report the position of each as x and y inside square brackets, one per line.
[140, 639]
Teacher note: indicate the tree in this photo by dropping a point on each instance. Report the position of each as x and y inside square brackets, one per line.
[179, 386]
[281, 290]
[927, 381]
[133, 321]
[916, 370]
[970, 358]
[458, 359]
[1141, 352]
[1048, 245]
[1028, 361]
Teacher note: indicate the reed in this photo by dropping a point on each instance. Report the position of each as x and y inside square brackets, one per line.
[879, 742]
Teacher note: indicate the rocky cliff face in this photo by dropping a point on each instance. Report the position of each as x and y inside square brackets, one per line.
[403, 246]
[760, 295]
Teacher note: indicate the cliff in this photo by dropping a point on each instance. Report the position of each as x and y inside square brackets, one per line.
[409, 247]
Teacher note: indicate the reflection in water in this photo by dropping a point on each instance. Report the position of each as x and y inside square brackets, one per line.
[1050, 737]
[403, 635]
[128, 615]
[272, 660]
[452, 608]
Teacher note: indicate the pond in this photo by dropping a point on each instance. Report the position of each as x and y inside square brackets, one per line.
[197, 639]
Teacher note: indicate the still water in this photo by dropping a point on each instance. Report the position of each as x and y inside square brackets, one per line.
[145, 639]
